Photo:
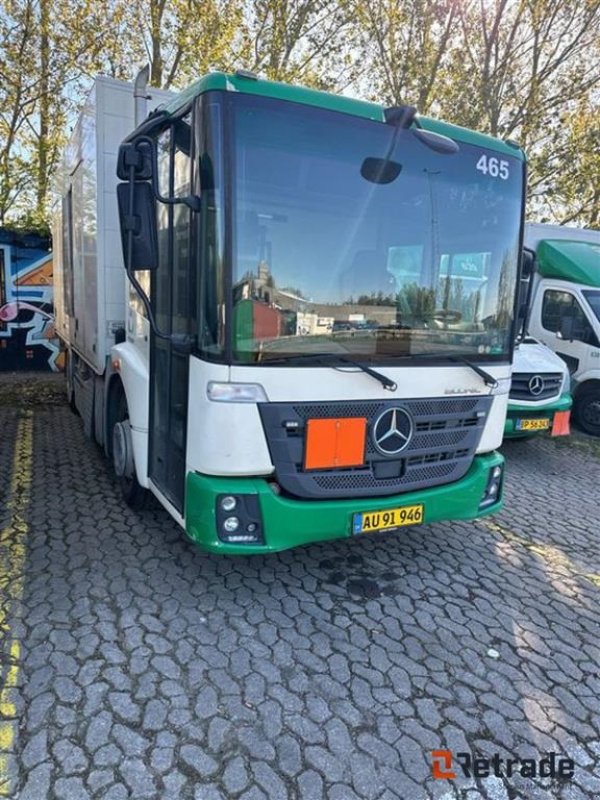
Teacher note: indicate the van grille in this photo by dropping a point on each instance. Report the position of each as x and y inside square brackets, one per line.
[520, 387]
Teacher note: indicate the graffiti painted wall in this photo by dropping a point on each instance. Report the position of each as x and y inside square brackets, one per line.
[27, 337]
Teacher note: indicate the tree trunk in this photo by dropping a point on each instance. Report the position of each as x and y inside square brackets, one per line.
[42, 177]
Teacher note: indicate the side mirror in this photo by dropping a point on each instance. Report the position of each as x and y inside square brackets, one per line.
[139, 236]
[138, 155]
[566, 328]
[527, 263]
[138, 161]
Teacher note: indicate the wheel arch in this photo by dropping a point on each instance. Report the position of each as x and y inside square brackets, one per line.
[584, 387]
[590, 423]
[129, 375]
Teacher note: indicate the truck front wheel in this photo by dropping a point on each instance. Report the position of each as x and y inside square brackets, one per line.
[587, 409]
[122, 456]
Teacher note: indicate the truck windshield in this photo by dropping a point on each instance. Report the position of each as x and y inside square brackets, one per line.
[327, 258]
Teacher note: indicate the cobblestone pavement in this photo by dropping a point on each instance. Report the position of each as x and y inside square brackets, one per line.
[137, 667]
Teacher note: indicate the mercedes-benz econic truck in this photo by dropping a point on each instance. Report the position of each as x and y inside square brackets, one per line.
[312, 336]
[539, 400]
[565, 309]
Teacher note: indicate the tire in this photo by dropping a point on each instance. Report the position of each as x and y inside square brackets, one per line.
[587, 410]
[134, 495]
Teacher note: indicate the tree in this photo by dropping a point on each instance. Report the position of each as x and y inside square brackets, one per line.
[520, 69]
[181, 39]
[570, 189]
[298, 41]
[406, 45]
[46, 47]
[17, 99]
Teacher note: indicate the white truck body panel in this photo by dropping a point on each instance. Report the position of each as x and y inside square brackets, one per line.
[228, 438]
[535, 232]
[87, 174]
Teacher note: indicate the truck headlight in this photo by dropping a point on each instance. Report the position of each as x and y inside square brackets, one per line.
[239, 519]
[236, 392]
[228, 503]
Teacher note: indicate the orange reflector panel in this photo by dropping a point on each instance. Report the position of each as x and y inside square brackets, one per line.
[560, 423]
[334, 443]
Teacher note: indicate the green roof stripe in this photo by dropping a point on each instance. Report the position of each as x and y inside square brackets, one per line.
[332, 102]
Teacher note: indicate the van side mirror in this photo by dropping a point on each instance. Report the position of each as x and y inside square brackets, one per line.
[139, 237]
[566, 328]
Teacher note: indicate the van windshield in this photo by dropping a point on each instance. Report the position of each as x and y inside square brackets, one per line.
[329, 258]
[593, 299]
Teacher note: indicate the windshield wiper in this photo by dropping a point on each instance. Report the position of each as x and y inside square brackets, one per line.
[387, 383]
[488, 379]
[324, 358]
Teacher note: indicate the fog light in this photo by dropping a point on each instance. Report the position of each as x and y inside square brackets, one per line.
[238, 519]
[492, 490]
[231, 524]
[241, 537]
[228, 503]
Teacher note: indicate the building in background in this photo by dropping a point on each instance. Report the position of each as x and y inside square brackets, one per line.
[27, 337]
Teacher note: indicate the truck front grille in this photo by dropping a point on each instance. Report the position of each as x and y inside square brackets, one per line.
[522, 384]
[446, 432]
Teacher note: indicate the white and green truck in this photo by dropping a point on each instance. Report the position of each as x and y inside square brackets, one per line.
[565, 309]
[289, 315]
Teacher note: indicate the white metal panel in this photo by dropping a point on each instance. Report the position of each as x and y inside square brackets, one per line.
[115, 122]
[222, 438]
[535, 232]
[533, 356]
[88, 165]
[134, 375]
[349, 383]
[228, 438]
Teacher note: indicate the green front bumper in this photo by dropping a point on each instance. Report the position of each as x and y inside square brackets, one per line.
[290, 523]
[517, 411]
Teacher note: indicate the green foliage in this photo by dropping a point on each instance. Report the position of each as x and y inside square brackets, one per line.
[527, 70]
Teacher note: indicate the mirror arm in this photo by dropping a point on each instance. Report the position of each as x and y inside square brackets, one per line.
[191, 201]
[134, 281]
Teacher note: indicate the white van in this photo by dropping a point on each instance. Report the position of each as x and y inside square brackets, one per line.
[565, 309]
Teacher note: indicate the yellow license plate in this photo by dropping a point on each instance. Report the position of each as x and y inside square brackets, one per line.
[532, 424]
[370, 521]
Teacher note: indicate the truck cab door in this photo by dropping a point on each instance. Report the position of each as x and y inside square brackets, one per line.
[172, 295]
[567, 329]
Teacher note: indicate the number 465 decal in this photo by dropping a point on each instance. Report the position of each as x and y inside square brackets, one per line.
[493, 167]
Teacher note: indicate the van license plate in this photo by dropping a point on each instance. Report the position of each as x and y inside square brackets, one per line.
[532, 424]
[391, 518]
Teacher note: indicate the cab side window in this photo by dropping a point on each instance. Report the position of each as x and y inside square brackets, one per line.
[562, 313]
[555, 306]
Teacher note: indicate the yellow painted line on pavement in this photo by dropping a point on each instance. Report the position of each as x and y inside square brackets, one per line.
[13, 548]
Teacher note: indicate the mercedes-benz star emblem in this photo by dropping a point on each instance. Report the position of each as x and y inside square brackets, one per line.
[392, 431]
[536, 385]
